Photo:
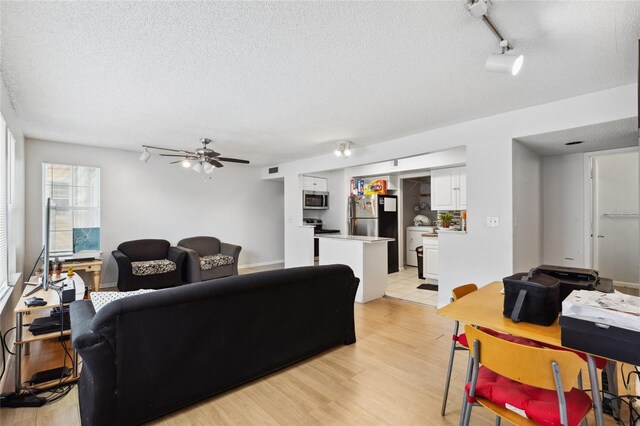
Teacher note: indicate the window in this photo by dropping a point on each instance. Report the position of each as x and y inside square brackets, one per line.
[4, 252]
[75, 207]
[7, 205]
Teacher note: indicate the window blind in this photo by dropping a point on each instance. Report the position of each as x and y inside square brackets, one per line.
[4, 261]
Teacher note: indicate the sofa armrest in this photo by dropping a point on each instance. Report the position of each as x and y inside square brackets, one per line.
[82, 313]
[124, 263]
[176, 255]
[231, 250]
[192, 272]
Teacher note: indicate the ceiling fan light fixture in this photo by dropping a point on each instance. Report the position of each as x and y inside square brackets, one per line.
[208, 168]
[144, 157]
[197, 167]
[186, 164]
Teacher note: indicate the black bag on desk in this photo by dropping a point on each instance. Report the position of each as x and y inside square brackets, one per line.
[531, 297]
[576, 279]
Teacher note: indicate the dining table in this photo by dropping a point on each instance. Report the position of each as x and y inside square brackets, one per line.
[484, 307]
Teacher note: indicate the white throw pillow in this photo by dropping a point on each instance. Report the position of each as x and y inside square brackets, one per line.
[102, 298]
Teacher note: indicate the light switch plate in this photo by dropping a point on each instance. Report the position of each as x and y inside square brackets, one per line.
[493, 221]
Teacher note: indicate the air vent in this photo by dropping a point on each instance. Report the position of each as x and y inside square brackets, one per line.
[273, 170]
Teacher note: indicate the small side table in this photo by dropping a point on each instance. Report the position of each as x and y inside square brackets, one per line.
[94, 266]
[24, 337]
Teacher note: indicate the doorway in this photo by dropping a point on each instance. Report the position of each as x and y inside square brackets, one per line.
[615, 229]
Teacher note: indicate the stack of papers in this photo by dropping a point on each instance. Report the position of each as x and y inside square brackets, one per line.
[615, 309]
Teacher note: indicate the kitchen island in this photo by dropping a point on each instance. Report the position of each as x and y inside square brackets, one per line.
[367, 256]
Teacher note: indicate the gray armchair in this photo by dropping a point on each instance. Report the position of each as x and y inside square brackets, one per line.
[208, 258]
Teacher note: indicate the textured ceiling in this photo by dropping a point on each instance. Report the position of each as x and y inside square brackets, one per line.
[276, 81]
[598, 137]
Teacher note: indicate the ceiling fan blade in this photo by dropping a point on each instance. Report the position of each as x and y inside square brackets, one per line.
[211, 154]
[175, 162]
[169, 149]
[233, 160]
[173, 155]
[213, 162]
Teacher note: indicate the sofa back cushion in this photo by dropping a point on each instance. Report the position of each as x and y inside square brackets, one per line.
[204, 246]
[231, 330]
[140, 250]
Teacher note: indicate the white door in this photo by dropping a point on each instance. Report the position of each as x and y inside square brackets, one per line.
[616, 234]
[462, 188]
[443, 196]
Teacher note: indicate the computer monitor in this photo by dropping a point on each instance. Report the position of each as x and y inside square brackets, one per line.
[47, 245]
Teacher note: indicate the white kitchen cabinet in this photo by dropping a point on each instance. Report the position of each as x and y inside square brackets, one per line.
[430, 259]
[449, 189]
[312, 183]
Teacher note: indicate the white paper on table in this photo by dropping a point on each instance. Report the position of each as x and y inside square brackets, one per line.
[616, 309]
[390, 205]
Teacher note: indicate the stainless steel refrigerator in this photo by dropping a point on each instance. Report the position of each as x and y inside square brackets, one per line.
[376, 216]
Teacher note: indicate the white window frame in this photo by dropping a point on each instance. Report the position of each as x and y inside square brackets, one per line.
[44, 201]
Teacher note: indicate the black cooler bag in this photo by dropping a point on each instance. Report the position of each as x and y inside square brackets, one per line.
[531, 297]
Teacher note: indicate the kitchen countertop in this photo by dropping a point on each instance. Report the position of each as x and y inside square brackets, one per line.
[359, 238]
[449, 231]
[429, 234]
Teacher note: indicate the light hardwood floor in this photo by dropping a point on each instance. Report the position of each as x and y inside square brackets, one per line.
[393, 374]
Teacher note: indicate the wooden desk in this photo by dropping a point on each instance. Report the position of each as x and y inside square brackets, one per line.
[484, 308]
[93, 266]
[24, 336]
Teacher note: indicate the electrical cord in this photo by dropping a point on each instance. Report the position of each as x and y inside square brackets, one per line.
[4, 356]
[4, 341]
[629, 403]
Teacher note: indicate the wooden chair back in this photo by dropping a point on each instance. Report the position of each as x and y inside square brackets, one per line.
[525, 364]
[463, 290]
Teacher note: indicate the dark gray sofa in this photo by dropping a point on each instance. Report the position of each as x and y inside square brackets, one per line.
[147, 355]
[196, 247]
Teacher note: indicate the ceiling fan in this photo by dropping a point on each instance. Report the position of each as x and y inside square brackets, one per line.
[199, 159]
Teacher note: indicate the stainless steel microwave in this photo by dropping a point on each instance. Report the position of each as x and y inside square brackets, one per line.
[315, 200]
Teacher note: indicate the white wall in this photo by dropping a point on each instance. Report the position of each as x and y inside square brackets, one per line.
[158, 200]
[563, 204]
[484, 254]
[527, 208]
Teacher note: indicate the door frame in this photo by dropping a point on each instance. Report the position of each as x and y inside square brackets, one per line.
[401, 228]
[590, 249]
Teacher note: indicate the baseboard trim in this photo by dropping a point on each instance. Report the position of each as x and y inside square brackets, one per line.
[626, 284]
[253, 265]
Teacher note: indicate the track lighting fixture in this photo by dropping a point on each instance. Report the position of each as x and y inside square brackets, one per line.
[343, 149]
[144, 157]
[505, 61]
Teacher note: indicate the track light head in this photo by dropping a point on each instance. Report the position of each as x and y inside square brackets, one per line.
[343, 150]
[505, 63]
